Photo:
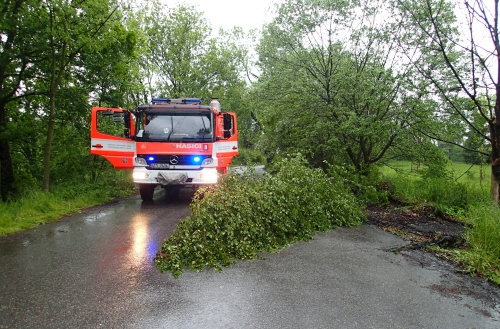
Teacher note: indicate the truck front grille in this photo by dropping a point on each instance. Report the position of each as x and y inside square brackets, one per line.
[166, 161]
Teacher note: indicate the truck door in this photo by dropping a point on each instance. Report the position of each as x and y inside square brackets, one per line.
[110, 138]
[226, 146]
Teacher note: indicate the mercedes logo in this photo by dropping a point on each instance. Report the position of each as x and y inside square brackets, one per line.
[174, 159]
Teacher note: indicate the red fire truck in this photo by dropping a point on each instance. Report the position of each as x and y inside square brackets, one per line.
[172, 143]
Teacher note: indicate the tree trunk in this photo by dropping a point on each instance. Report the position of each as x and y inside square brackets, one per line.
[55, 83]
[495, 161]
[495, 123]
[495, 188]
[50, 137]
[59, 62]
[7, 188]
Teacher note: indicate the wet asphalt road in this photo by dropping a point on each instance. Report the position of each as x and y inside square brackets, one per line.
[95, 270]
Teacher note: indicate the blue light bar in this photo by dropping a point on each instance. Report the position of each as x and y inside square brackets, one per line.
[151, 158]
[160, 100]
[197, 159]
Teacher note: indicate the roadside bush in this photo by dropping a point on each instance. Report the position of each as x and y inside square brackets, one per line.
[368, 188]
[117, 183]
[247, 214]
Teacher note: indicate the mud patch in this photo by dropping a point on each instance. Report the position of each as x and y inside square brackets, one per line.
[421, 227]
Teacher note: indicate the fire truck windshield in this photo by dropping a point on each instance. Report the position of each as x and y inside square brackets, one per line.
[174, 127]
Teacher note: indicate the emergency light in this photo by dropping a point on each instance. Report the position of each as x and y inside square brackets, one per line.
[193, 101]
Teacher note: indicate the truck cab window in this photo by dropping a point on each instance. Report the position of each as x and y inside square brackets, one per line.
[164, 127]
[110, 124]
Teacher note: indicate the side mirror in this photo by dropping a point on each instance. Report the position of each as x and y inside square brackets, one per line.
[228, 121]
[227, 126]
[126, 119]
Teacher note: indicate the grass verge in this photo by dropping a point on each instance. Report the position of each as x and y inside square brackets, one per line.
[39, 207]
[483, 236]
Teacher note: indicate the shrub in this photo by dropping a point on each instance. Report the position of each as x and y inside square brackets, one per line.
[247, 214]
[369, 188]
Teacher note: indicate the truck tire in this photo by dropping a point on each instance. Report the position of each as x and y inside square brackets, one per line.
[147, 191]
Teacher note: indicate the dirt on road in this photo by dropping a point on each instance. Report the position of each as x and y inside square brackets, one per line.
[421, 226]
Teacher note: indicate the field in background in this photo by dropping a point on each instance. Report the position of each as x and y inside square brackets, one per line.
[462, 171]
[475, 178]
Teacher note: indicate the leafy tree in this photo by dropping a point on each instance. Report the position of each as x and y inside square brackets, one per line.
[70, 27]
[58, 57]
[184, 59]
[332, 83]
[17, 27]
[458, 63]
[112, 64]
[475, 145]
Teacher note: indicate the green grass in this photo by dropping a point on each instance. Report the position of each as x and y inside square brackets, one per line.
[485, 232]
[478, 176]
[462, 185]
[483, 236]
[38, 207]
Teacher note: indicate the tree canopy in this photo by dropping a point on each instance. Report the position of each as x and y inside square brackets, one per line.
[334, 84]
[351, 83]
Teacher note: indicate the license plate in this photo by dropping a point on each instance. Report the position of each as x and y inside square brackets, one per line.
[160, 165]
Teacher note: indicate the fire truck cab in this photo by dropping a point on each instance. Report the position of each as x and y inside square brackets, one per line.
[172, 143]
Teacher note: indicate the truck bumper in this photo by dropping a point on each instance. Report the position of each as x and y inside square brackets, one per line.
[205, 176]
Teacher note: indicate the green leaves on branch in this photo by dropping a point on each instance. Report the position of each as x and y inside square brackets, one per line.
[247, 214]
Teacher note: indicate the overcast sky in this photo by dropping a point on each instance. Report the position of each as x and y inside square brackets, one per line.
[247, 14]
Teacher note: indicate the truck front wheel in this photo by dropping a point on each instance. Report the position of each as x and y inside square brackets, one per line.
[147, 191]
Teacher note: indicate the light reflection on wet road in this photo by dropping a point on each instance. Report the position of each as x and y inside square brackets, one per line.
[95, 270]
[86, 269]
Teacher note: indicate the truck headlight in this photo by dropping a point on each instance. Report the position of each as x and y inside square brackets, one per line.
[140, 161]
[140, 175]
[209, 175]
[207, 161]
